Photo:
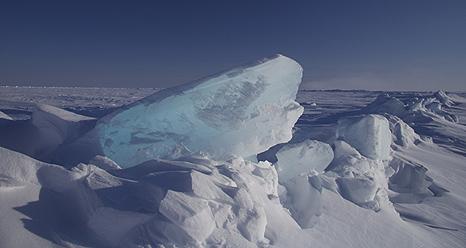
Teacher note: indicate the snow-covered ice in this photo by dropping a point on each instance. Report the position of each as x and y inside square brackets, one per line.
[362, 169]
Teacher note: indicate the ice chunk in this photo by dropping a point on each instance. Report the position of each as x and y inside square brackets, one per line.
[444, 98]
[4, 117]
[191, 214]
[158, 165]
[57, 126]
[194, 182]
[241, 112]
[254, 227]
[409, 178]
[369, 134]
[104, 163]
[385, 104]
[403, 134]
[360, 190]
[304, 199]
[267, 171]
[17, 169]
[303, 158]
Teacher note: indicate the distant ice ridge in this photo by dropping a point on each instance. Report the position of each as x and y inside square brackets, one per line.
[241, 112]
[414, 109]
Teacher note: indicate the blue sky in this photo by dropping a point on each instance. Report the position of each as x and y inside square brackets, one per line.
[386, 45]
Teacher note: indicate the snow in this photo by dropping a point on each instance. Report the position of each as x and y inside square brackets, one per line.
[241, 112]
[369, 134]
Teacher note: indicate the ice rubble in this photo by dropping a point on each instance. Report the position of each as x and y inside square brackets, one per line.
[418, 109]
[241, 112]
[182, 207]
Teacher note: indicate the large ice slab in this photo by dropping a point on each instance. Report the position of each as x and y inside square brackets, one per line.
[241, 112]
[369, 134]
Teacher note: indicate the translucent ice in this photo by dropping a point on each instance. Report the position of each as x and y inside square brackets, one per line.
[241, 112]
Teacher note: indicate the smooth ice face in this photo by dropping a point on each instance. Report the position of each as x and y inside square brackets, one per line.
[241, 112]
[302, 159]
[369, 134]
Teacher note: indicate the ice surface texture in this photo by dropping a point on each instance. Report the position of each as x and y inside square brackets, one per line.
[241, 112]
[369, 134]
[310, 156]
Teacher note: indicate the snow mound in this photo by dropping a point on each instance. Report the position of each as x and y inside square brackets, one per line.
[241, 112]
[369, 134]
[310, 156]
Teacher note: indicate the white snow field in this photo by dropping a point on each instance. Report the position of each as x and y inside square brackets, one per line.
[233, 160]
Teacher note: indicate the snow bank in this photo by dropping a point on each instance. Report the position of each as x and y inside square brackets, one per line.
[241, 112]
[369, 134]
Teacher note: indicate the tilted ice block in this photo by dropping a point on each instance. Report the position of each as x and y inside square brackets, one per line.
[369, 134]
[4, 116]
[241, 112]
[302, 158]
[57, 126]
[403, 134]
